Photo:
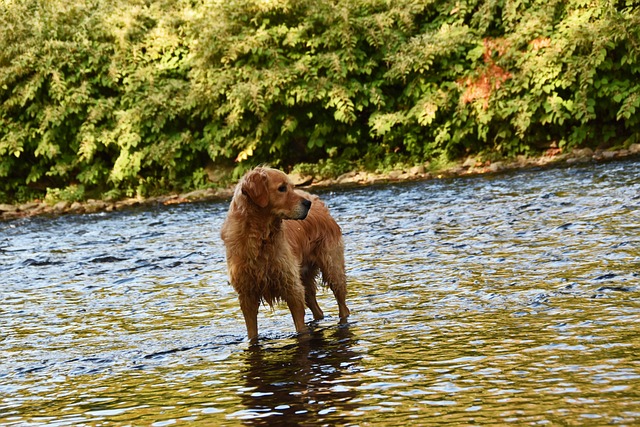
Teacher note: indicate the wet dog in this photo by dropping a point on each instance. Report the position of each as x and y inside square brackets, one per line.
[277, 240]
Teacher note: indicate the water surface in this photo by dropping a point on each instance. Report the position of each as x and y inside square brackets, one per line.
[509, 299]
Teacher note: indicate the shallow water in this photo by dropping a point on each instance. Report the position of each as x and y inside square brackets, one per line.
[510, 299]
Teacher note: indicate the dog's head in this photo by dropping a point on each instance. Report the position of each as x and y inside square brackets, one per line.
[273, 190]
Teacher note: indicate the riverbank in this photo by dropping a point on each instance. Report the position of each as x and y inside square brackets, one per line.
[467, 167]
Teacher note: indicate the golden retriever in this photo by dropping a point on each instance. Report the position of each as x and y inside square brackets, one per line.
[277, 239]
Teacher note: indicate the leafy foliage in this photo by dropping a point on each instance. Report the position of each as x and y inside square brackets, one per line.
[93, 93]
[131, 96]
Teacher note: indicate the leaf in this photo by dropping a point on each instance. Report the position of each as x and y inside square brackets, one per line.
[245, 154]
[476, 53]
[427, 113]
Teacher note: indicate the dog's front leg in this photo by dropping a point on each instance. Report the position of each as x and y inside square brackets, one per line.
[249, 306]
[295, 301]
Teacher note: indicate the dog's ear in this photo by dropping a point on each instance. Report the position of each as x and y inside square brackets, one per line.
[254, 186]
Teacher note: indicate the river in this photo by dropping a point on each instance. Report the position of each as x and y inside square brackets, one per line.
[491, 300]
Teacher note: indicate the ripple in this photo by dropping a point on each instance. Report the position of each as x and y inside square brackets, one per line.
[503, 299]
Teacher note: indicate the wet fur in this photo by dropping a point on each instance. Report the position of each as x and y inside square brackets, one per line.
[277, 240]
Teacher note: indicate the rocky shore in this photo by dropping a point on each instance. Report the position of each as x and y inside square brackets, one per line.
[470, 166]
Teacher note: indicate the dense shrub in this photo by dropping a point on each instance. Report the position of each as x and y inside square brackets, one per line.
[94, 93]
[132, 96]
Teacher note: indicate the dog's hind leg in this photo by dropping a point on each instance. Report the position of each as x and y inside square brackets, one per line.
[340, 292]
[332, 267]
[310, 289]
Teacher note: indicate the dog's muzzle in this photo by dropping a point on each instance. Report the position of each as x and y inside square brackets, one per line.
[303, 209]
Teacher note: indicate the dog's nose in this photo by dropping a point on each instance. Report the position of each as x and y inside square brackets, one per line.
[306, 203]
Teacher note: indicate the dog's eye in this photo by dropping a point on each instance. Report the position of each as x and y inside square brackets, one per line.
[282, 188]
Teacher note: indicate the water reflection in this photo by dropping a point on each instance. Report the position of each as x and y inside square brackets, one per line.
[308, 382]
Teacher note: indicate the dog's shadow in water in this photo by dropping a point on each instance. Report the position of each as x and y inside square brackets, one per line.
[298, 383]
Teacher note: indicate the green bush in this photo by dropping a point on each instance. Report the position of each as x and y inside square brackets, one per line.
[72, 193]
[132, 97]
[94, 92]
